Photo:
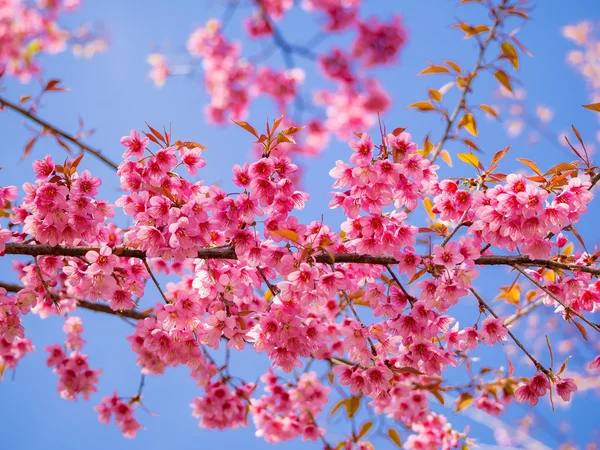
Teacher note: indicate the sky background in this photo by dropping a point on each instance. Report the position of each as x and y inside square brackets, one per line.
[113, 95]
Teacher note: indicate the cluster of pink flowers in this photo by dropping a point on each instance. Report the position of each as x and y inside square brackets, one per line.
[281, 86]
[123, 412]
[374, 183]
[11, 352]
[221, 407]
[232, 81]
[433, 433]
[286, 412]
[305, 312]
[259, 24]
[404, 403]
[340, 13]
[75, 374]
[515, 215]
[10, 322]
[60, 207]
[29, 30]
[227, 74]
[378, 42]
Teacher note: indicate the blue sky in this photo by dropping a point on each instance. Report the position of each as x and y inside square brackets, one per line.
[113, 95]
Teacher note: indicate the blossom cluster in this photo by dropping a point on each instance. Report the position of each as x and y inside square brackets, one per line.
[286, 412]
[232, 80]
[76, 376]
[28, 31]
[123, 413]
[308, 305]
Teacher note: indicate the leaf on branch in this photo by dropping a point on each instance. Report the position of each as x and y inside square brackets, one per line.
[353, 406]
[563, 366]
[29, 147]
[435, 95]
[488, 109]
[156, 133]
[416, 276]
[533, 166]
[581, 329]
[469, 159]
[471, 30]
[468, 122]
[394, 437]
[454, 66]
[53, 85]
[499, 155]
[434, 69]
[364, 429]
[189, 144]
[428, 205]
[288, 234]
[246, 126]
[509, 52]
[469, 143]
[438, 395]
[550, 350]
[593, 106]
[407, 369]
[423, 106]
[503, 78]
[338, 405]
[446, 157]
[24, 98]
[464, 400]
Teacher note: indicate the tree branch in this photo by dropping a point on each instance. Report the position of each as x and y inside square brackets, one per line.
[84, 147]
[535, 362]
[461, 102]
[229, 253]
[568, 309]
[97, 307]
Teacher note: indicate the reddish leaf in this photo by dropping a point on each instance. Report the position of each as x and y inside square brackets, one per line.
[52, 85]
[29, 146]
[533, 166]
[499, 155]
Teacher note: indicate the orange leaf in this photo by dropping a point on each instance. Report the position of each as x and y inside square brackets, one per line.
[504, 79]
[499, 155]
[468, 121]
[288, 234]
[423, 106]
[533, 166]
[488, 109]
[434, 69]
[593, 106]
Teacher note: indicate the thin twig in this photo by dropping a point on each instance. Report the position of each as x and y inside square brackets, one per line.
[31, 116]
[568, 309]
[155, 281]
[523, 312]
[461, 102]
[409, 297]
[535, 362]
[96, 307]
[229, 253]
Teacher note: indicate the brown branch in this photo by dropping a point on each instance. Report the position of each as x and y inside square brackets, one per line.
[229, 253]
[467, 88]
[594, 180]
[409, 297]
[523, 312]
[156, 283]
[97, 307]
[568, 309]
[84, 147]
[535, 362]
